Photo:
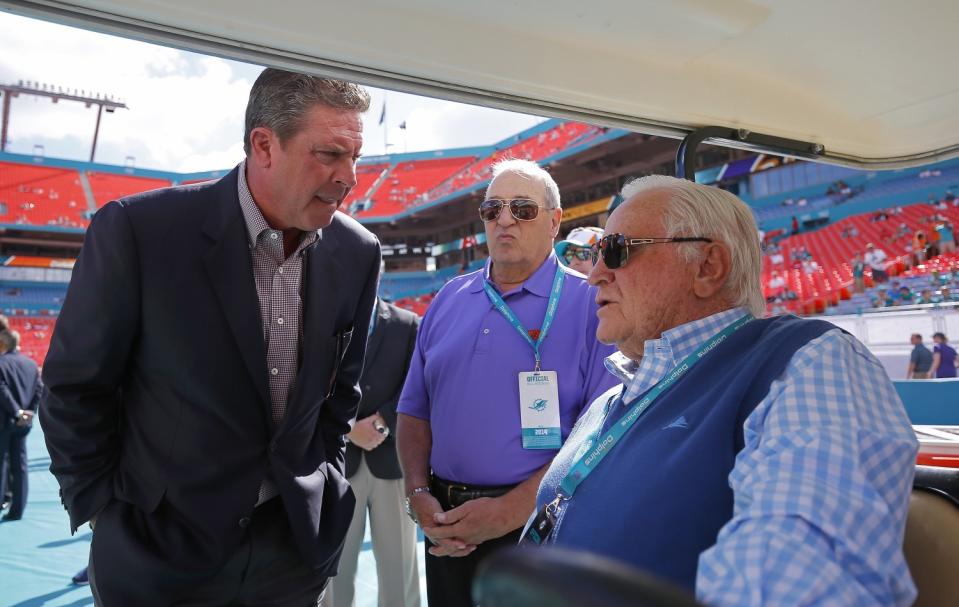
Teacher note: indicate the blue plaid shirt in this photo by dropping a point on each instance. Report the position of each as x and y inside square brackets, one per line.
[822, 485]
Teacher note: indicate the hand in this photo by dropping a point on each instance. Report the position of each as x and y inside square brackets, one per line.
[364, 435]
[474, 522]
[25, 418]
[425, 506]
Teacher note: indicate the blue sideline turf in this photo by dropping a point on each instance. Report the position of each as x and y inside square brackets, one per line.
[38, 556]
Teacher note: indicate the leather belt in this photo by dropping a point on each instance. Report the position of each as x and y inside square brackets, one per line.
[452, 494]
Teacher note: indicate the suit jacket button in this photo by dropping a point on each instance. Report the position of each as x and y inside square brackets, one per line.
[244, 522]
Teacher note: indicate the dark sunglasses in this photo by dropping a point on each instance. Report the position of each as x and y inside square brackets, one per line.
[579, 253]
[522, 209]
[614, 248]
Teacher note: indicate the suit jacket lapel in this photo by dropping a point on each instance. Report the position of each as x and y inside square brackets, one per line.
[230, 271]
[321, 282]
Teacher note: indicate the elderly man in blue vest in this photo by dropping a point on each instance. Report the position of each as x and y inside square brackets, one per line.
[755, 461]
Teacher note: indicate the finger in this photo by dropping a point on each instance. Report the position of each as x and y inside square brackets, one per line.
[452, 516]
[441, 535]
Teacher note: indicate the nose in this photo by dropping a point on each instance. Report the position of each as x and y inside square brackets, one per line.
[600, 273]
[505, 216]
[345, 174]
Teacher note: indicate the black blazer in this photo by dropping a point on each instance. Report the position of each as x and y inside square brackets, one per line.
[20, 387]
[157, 377]
[388, 354]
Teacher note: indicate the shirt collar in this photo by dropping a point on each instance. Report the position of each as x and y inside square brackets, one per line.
[253, 217]
[540, 283]
[661, 355]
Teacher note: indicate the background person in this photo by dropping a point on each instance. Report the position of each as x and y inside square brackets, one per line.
[943, 357]
[20, 393]
[576, 249]
[920, 359]
[373, 469]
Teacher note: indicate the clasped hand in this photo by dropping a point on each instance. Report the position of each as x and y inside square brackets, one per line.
[458, 531]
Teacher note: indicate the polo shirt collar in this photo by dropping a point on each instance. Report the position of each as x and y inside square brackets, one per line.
[539, 284]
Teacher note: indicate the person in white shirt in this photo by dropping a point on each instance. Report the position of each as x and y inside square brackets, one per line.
[876, 258]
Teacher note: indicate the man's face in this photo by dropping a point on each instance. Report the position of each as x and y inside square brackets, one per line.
[514, 242]
[639, 300]
[573, 256]
[308, 175]
[916, 340]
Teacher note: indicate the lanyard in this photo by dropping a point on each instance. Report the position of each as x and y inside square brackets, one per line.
[504, 309]
[588, 462]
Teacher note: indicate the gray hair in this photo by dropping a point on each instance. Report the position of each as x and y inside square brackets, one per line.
[279, 100]
[701, 210]
[530, 169]
[9, 340]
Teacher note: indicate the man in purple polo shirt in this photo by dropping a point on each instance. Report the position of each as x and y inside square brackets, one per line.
[506, 359]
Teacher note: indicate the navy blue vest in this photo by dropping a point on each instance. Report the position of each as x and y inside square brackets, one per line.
[662, 494]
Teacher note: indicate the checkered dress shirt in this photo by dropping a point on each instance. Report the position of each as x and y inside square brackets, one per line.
[278, 279]
[821, 486]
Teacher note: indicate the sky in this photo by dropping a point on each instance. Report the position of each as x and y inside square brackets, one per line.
[185, 109]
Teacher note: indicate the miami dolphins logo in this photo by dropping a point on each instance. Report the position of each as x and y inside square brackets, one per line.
[538, 405]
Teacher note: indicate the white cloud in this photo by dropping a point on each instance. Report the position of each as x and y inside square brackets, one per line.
[186, 110]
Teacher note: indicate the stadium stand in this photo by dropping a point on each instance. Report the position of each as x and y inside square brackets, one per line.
[41, 196]
[35, 334]
[407, 182]
[539, 146]
[366, 177]
[110, 186]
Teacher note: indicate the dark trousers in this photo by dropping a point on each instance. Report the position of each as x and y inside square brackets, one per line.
[449, 580]
[265, 570]
[13, 451]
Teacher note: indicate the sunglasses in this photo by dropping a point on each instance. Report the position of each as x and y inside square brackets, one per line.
[579, 253]
[522, 209]
[614, 248]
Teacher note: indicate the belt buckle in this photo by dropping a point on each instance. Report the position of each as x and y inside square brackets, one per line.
[449, 492]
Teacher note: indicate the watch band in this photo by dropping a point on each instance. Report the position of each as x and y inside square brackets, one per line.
[416, 490]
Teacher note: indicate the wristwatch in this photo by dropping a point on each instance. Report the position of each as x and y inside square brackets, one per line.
[409, 504]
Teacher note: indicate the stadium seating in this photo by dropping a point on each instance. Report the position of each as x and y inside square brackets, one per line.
[35, 334]
[833, 253]
[366, 177]
[110, 186]
[406, 183]
[537, 147]
[41, 195]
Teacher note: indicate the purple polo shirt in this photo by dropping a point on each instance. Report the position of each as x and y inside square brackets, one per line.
[464, 376]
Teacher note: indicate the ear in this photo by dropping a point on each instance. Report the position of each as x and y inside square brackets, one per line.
[555, 218]
[262, 142]
[713, 270]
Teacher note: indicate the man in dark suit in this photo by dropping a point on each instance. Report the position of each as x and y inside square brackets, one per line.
[205, 366]
[374, 471]
[20, 391]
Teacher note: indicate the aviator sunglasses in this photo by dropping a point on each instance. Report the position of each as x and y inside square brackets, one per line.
[614, 248]
[522, 209]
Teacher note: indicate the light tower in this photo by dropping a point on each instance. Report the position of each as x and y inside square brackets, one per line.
[103, 102]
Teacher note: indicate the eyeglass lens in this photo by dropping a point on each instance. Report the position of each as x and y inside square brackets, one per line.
[521, 209]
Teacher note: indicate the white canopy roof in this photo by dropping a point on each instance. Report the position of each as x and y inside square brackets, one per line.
[875, 83]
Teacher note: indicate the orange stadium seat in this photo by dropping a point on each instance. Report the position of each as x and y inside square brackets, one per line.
[35, 334]
[406, 183]
[41, 196]
[110, 186]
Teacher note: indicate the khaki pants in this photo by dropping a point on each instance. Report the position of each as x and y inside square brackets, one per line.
[394, 544]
